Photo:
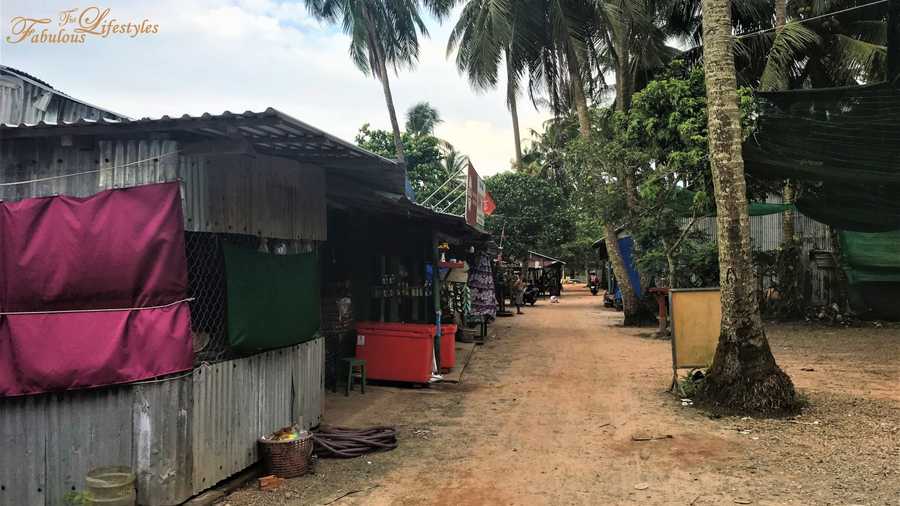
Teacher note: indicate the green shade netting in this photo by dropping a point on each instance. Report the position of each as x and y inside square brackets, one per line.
[842, 144]
[871, 257]
[683, 202]
[273, 300]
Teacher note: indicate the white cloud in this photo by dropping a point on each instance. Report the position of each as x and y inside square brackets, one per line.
[213, 55]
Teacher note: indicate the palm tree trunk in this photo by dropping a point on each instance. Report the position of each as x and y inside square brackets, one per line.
[581, 107]
[630, 303]
[389, 99]
[629, 298]
[744, 376]
[511, 100]
[787, 223]
[382, 74]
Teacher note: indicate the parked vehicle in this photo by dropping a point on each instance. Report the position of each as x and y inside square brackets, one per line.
[531, 294]
[594, 282]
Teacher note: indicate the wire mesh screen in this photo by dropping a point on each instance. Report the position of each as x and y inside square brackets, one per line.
[206, 284]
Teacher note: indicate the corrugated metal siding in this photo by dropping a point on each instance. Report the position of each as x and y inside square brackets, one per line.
[261, 195]
[181, 435]
[766, 234]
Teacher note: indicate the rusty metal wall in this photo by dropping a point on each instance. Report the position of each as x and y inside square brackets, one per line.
[766, 234]
[226, 193]
[181, 435]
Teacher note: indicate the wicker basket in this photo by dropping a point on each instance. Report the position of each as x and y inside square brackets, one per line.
[286, 459]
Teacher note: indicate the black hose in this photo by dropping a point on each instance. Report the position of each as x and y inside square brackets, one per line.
[343, 442]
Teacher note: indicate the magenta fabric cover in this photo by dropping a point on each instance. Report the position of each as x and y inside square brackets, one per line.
[119, 249]
[116, 249]
[64, 351]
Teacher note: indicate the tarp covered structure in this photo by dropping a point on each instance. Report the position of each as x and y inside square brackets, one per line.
[843, 146]
[92, 290]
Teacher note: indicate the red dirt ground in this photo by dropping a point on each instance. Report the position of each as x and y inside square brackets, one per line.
[547, 411]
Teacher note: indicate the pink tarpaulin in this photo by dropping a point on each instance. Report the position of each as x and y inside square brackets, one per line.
[119, 249]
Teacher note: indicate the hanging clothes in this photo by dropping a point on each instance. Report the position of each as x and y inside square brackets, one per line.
[481, 285]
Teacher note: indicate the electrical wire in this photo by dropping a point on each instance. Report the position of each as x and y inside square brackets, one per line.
[108, 310]
[798, 21]
[61, 176]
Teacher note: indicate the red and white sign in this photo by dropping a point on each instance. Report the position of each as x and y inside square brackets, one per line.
[475, 199]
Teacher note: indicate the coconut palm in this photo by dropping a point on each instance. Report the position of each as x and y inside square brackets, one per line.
[744, 376]
[490, 34]
[384, 34]
[422, 118]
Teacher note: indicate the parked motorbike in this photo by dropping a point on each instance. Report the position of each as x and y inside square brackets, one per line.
[594, 283]
[531, 294]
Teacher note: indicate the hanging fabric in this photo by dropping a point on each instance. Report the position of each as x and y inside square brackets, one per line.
[92, 290]
[481, 286]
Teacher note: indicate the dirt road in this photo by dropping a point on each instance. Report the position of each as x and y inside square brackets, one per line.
[548, 411]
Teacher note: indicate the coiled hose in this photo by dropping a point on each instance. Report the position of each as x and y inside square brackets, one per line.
[343, 442]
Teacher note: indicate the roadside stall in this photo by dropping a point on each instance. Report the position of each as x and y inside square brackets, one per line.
[405, 271]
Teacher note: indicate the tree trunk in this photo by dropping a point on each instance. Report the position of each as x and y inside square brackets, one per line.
[787, 223]
[581, 107]
[630, 304]
[744, 377]
[780, 14]
[511, 100]
[624, 79]
[389, 99]
[380, 69]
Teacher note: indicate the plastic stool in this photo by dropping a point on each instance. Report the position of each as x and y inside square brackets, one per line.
[353, 363]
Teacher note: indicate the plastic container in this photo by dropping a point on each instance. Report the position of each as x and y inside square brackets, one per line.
[396, 356]
[111, 486]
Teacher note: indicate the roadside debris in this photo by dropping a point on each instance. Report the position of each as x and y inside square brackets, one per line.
[647, 437]
[270, 482]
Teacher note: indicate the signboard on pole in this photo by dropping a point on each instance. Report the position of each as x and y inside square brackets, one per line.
[475, 192]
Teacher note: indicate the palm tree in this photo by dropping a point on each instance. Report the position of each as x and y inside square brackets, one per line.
[384, 33]
[744, 376]
[422, 118]
[488, 34]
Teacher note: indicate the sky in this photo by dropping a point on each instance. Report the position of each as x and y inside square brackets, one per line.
[238, 55]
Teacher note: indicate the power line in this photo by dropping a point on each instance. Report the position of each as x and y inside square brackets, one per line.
[841, 11]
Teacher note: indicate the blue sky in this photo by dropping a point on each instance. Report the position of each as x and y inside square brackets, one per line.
[237, 55]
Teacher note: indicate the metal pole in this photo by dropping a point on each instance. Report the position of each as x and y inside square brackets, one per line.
[436, 289]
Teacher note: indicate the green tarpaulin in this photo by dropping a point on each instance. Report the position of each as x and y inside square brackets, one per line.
[871, 257]
[273, 300]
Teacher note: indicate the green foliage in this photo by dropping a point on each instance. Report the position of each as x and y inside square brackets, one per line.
[661, 144]
[77, 499]
[422, 118]
[531, 214]
[429, 162]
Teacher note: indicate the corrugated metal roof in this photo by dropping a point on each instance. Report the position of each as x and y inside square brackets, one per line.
[34, 81]
[270, 132]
